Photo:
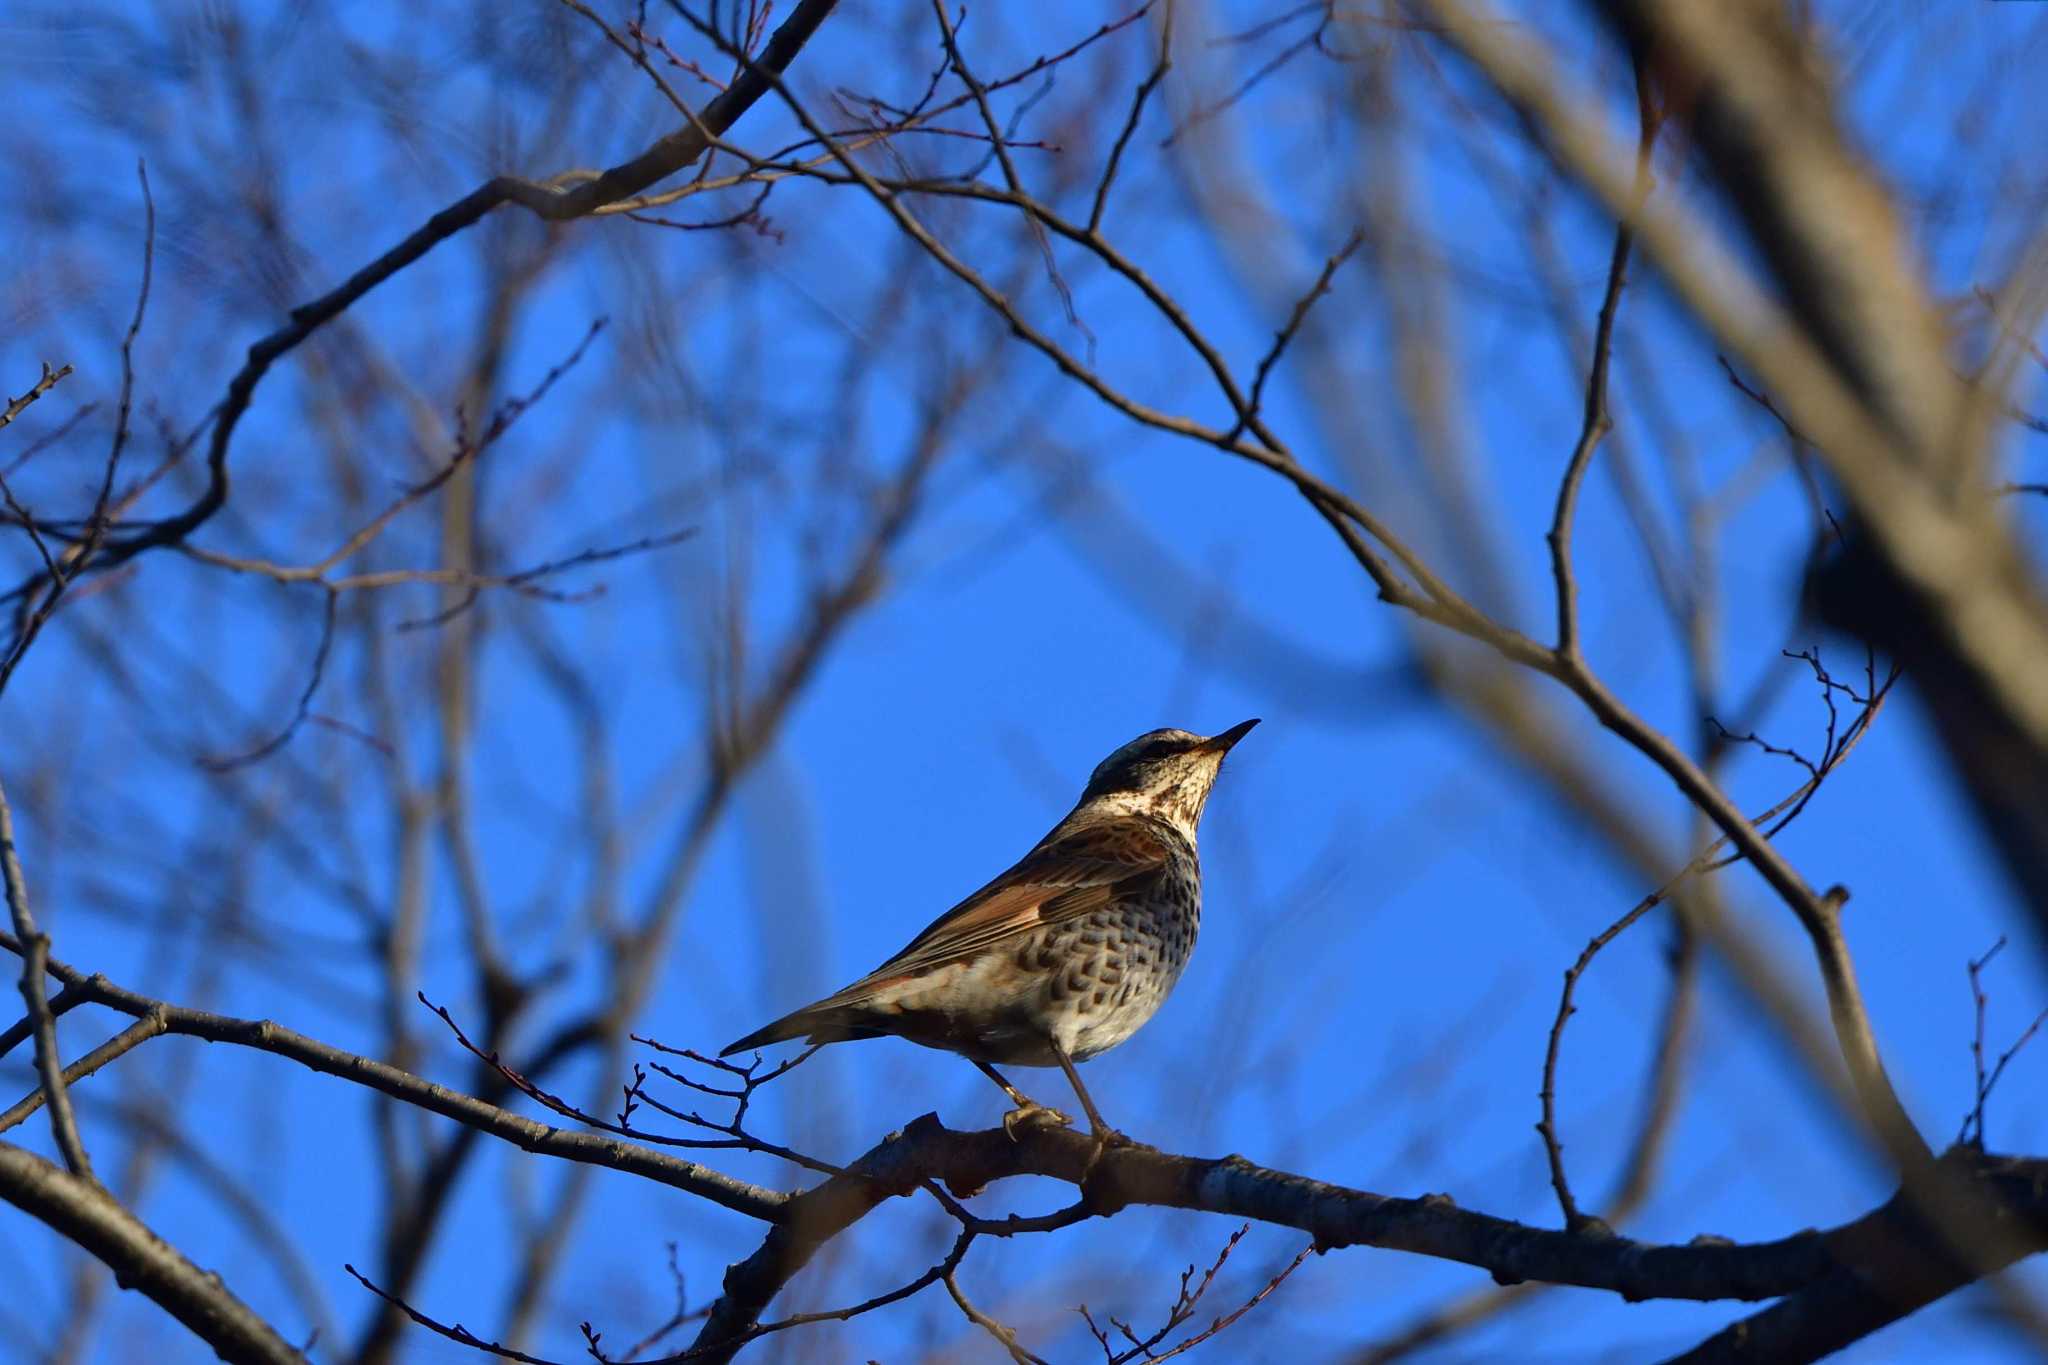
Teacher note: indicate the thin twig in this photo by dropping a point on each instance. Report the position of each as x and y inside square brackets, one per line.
[571, 196]
[34, 610]
[1138, 100]
[35, 961]
[1296, 316]
[1598, 417]
[466, 450]
[1230, 1318]
[1972, 1131]
[1794, 801]
[456, 1332]
[150, 1026]
[734, 1136]
[330, 607]
[49, 380]
[490, 1119]
[1005, 1336]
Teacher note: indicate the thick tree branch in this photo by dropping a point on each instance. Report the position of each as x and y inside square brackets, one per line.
[1876, 1286]
[1707, 1269]
[2014, 1191]
[82, 1211]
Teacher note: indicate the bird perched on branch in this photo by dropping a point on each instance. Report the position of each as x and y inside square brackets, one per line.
[1066, 954]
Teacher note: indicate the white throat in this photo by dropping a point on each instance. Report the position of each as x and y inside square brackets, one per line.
[1111, 804]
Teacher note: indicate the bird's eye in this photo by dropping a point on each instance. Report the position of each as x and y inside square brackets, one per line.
[1159, 748]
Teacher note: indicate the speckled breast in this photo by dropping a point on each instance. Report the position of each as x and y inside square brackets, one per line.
[1110, 970]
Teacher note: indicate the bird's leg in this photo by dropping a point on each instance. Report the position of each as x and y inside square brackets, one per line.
[1103, 1133]
[1028, 1110]
[1016, 1096]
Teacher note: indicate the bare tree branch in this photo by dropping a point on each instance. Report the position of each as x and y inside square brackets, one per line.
[33, 945]
[486, 1118]
[80, 1209]
[572, 195]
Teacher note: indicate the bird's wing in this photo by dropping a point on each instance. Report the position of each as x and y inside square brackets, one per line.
[1063, 878]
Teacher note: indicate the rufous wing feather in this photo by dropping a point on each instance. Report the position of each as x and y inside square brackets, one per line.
[1063, 878]
[1067, 876]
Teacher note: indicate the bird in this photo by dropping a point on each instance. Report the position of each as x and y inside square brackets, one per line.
[1066, 954]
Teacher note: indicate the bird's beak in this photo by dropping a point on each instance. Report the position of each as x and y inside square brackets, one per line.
[1221, 744]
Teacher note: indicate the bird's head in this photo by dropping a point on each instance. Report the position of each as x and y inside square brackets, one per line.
[1167, 773]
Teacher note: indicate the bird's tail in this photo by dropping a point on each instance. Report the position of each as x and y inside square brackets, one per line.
[819, 1023]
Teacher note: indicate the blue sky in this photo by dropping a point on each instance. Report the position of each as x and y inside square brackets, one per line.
[1390, 900]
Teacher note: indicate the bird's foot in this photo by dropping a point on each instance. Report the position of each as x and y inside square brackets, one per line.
[1101, 1139]
[1032, 1113]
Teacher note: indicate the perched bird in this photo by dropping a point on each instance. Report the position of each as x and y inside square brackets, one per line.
[1066, 954]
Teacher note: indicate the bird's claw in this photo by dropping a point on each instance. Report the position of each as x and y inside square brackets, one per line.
[1100, 1140]
[1030, 1113]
